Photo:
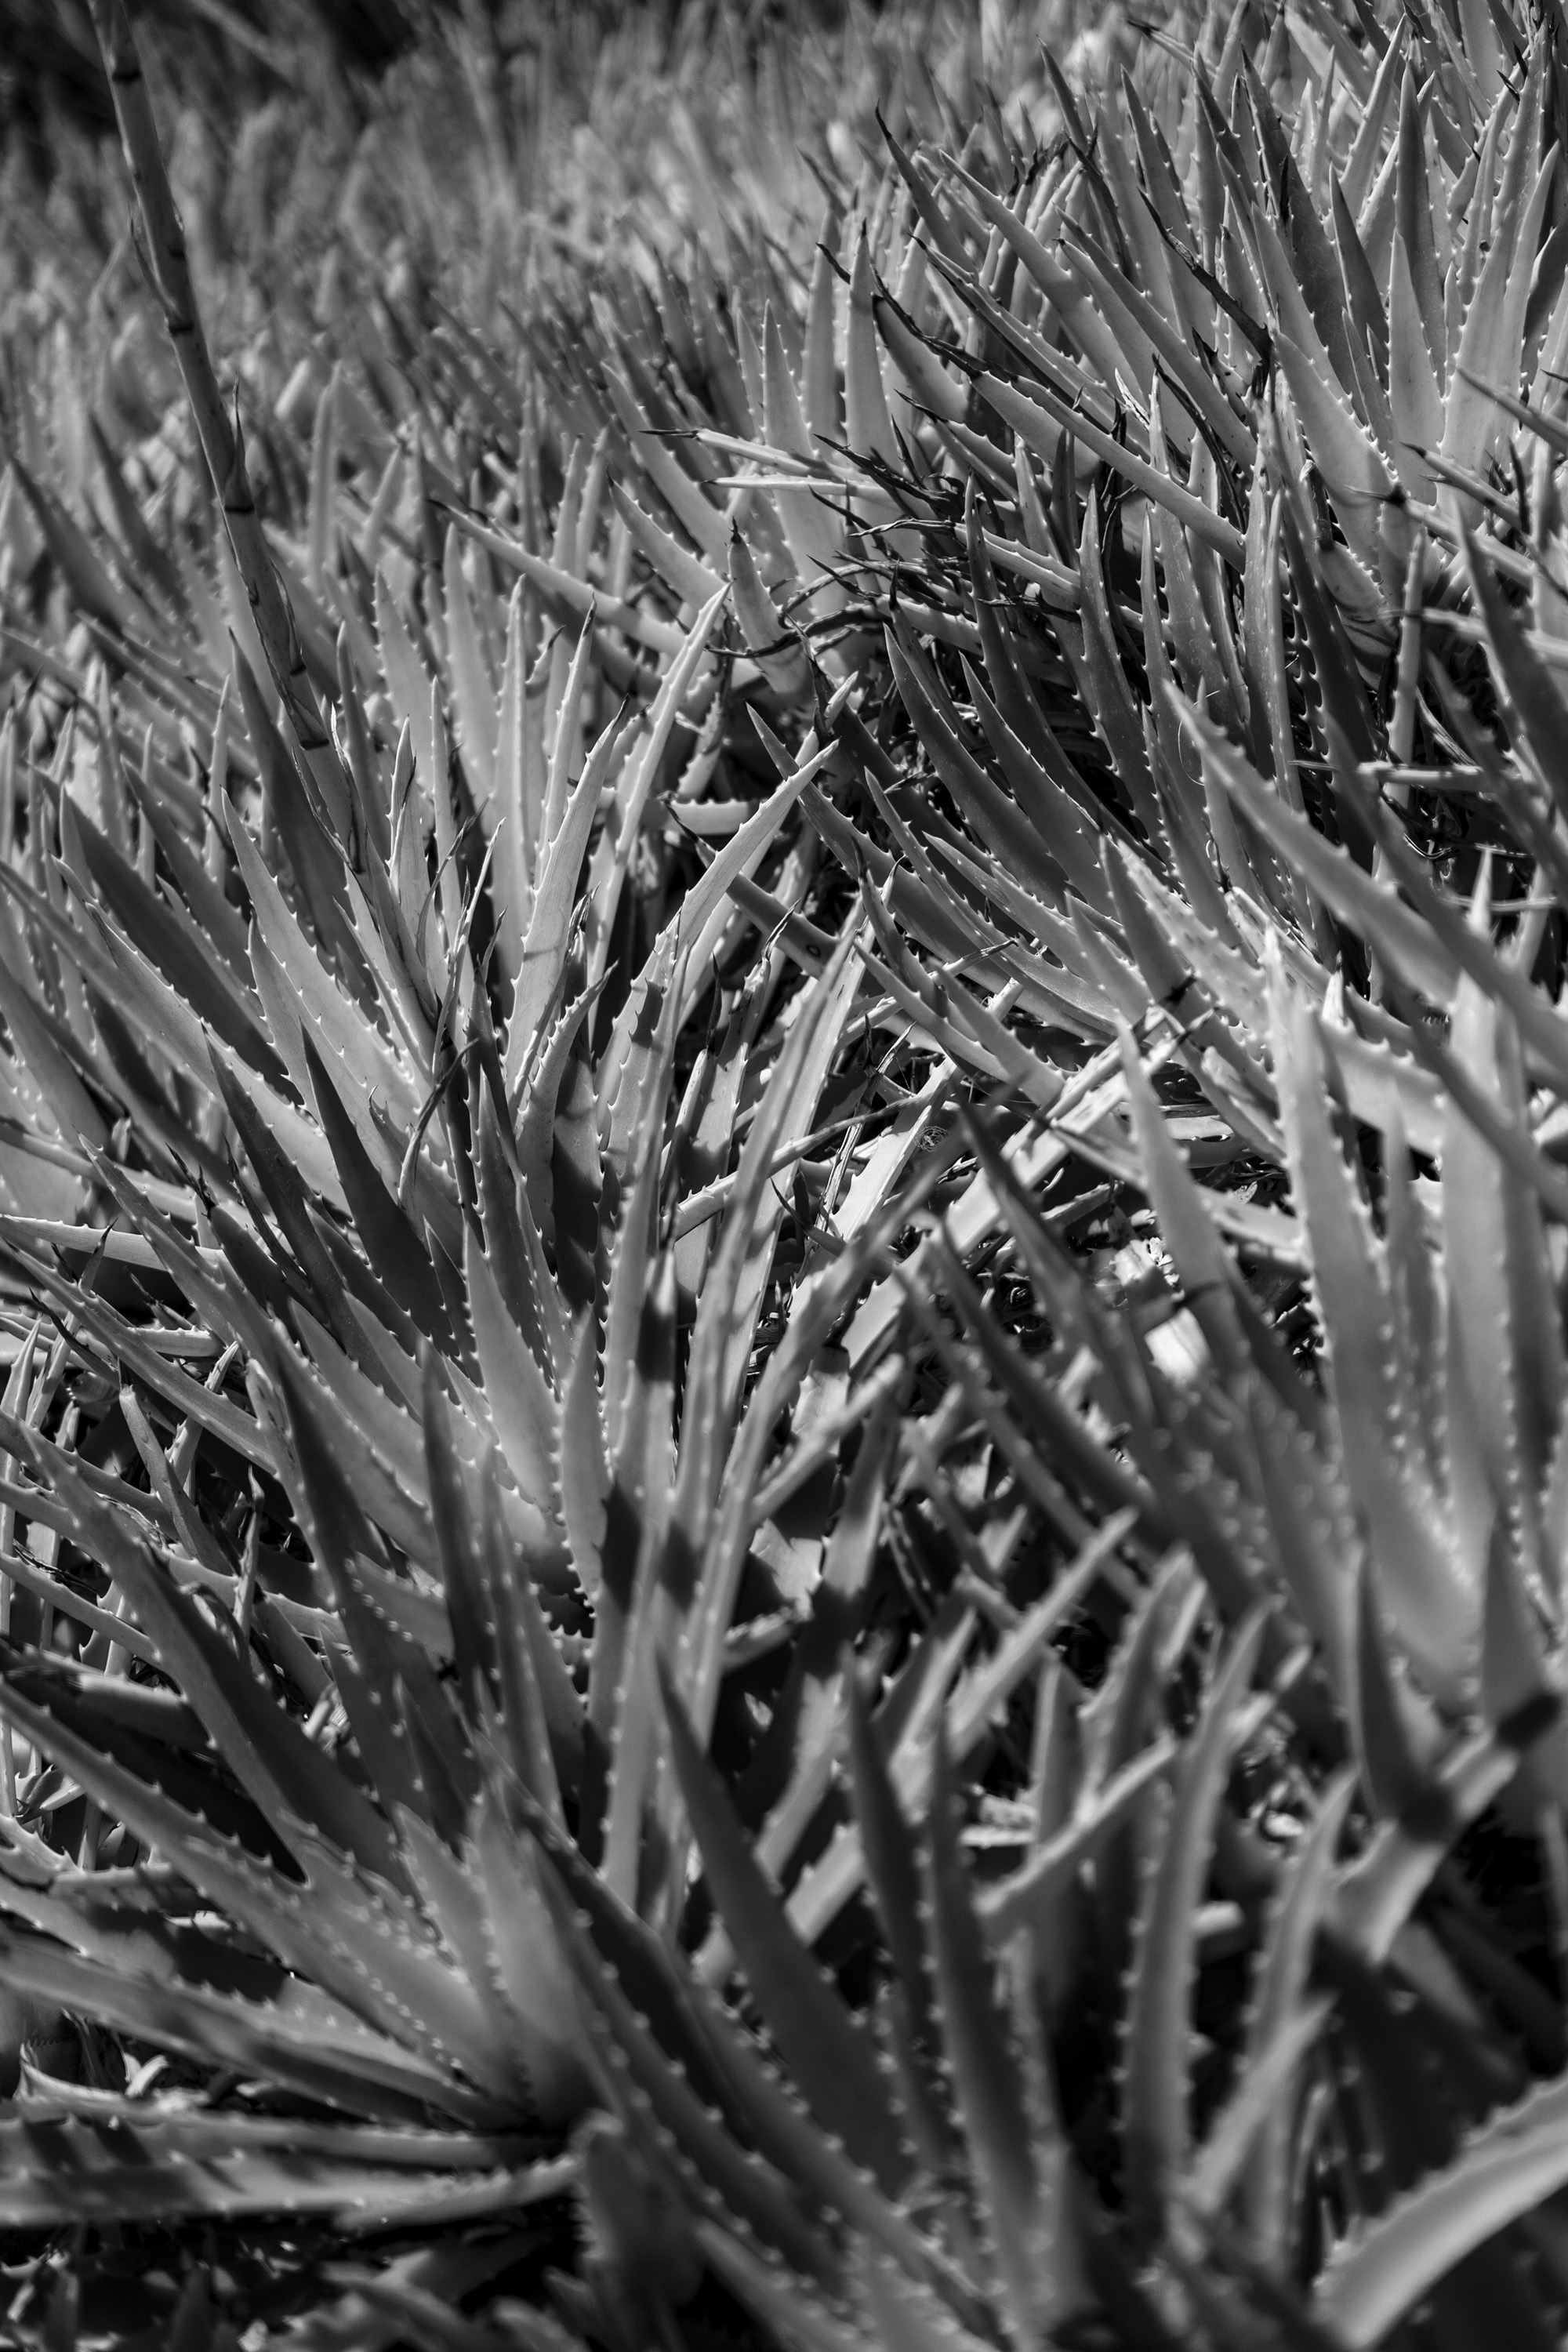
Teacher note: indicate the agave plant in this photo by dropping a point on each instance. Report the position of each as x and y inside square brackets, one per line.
[954, 1741]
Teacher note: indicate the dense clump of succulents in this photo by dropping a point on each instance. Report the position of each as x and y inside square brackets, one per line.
[783, 1200]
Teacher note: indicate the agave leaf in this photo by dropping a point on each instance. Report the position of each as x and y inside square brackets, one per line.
[1104, 685]
[1267, 676]
[76, 1113]
[1197, 654]
[179, 952]
[1516, 1683]
[550, 1081]
[1366, 313]
[1088, 329]
[1521, 673]
[150, 560]
[732, 1297]
[652, 1629]
[798, 1748]
[529, 1968]
[91, 586]
[971, 1037]
[751, 2188]
[296, 822]
[541, 1714]
[745, 848]
[583, 1469]
[785, 2306]
[1342, 706]
[632, 1133]
[726, 379]
[946, 232]
[191, 1399]
[210, 911]
[1497, 1265]
[911, 1707]
[472, 686]
[345, 2067]
[919, 907]
[122, 979]
[868, 428]
[1124, 1720]
[1395, 2260]
[1196, 386]
[1000, 822]
[1195, 1250]
[513, 1244]
[773, 646]
[1137, 364]
[1483, 52]
[688, 577]
[1040, 419]
[268, 1753]
[1311, 252]
[376, 1403]
[293, 1139]
[453, 1898]
[1537, 1023]
[1280, 2001]
[1433, 1606]
[1310, 1522]
[787, 2137]
[228, 2166]
[378, 1656]
[1394, 1732]
[904, 2315]
[918, 363]
[1154, 2098]
[625, 820]
[540, 825]
[697, 516]
[823, 1890]
[811, 530]
[637, 1513]
[335, 1930]
[1220, 956]
[1020, 2183]
[1263, 2094]
[521, 1402]
[1072, 1448]
[515, 813]
[825, 2050]
[1414, 396]
[397, 1257]
[1357, 478]
[1037, 770]
[893, 1873]
[457, 1539]
[1389, 929]
[346, 1042]
[1378, 1891]
[1492, 339]
[1368, 143]
[552, 912]
[572, 600]
[655, 1987]
[435, 2007]
[178, 1768]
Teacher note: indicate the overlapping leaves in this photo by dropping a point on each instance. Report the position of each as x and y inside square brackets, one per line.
[1037, 709]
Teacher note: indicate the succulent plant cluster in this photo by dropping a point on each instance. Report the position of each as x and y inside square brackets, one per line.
[784, 1529]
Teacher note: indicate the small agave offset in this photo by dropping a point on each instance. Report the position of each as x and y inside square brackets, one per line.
[783, 1530]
